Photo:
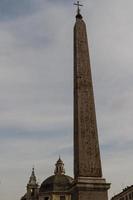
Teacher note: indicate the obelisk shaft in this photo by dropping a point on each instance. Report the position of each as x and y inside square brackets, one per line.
[87, 161]
[88, 181]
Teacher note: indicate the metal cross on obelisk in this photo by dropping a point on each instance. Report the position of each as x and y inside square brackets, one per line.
[78, 6]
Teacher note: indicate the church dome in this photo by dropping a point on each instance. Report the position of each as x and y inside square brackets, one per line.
[56, 183]
[59, 181]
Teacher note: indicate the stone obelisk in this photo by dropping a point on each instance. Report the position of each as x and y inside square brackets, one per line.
[89, 183]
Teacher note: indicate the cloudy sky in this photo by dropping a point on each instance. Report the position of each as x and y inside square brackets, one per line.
[36, 67]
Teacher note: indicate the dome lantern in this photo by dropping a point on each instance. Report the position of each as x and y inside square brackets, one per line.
[59, 167]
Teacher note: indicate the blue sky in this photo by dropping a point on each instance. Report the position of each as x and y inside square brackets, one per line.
[36, 71]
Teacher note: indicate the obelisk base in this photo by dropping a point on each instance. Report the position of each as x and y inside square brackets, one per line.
[90, 188]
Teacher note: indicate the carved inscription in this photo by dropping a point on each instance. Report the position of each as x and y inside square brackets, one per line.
[87, 155]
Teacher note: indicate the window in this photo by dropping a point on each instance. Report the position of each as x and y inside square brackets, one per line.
[46, 198]
[62, 198]
[32, 192]
[126, 197]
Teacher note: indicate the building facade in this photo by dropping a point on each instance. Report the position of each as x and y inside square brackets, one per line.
[55, 187]
[126, 194]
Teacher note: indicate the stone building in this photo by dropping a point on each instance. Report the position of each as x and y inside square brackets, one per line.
[55, 187]
[126, 194]
[32, 188]
[88, 182]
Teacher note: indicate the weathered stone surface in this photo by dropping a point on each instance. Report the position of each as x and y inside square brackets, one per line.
[88, 184]
[87, 156]
[95, 195]
[90, 189]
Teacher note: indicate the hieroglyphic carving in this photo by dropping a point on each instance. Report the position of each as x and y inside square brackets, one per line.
[88, 184]
[87, 163]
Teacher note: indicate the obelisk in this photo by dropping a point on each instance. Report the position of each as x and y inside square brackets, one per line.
[89, 183]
